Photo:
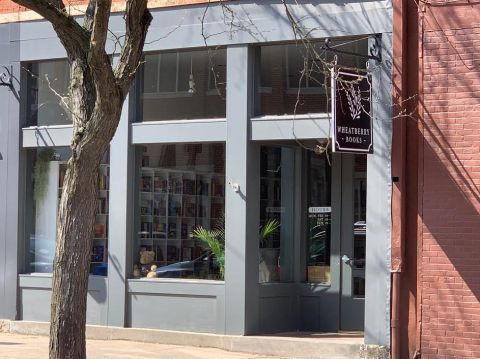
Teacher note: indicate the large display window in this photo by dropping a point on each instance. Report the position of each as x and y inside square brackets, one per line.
[183, 85]
[46, 168]
[180, 212]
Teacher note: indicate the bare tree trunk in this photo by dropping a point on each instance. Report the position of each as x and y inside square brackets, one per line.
[90, 105]
[72, 261]
[96, 94]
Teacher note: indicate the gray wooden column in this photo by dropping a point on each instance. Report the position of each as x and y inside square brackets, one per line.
[242, 207]
[120, 219]
[11, 190]
[379, 189]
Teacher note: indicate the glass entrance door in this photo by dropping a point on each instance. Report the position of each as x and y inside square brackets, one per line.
[335, 214]
[353, 242]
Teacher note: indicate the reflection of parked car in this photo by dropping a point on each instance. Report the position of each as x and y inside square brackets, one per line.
[199, 267]
[41, 255]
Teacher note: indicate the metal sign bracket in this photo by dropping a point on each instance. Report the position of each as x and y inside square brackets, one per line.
[6, 75]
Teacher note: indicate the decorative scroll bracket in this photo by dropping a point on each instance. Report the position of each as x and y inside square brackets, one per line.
[374, 50]
[5, 75]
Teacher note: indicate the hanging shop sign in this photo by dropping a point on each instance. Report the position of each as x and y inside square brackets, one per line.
[352, 125]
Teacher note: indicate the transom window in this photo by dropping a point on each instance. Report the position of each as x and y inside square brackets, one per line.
[183, 85]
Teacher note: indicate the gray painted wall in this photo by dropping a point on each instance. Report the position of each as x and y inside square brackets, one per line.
[35, 295]
[239, 306]
[187, 305]
[252, 23]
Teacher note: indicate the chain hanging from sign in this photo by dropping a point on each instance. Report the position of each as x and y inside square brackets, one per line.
[352, 124]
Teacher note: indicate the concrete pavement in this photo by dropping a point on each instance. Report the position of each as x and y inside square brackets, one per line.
[19, 346]
[282, 345]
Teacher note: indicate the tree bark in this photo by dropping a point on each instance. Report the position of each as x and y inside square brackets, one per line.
[76, 217]
[72, 261]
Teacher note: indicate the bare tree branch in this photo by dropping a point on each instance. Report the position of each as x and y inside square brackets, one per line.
[137, 19]
[98, 36]
[89, 13]
[73, 37]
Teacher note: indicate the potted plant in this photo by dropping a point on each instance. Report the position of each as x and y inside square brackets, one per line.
[215, 240]
[268, 257]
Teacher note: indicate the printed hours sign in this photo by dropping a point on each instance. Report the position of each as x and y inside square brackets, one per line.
[351, 113]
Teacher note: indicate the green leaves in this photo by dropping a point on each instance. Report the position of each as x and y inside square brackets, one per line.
[215, 240]
[271, 226]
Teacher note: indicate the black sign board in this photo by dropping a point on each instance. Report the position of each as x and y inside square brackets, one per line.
[352, 118]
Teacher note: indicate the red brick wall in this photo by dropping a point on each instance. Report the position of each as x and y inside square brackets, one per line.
[8, 7]
[450, 263]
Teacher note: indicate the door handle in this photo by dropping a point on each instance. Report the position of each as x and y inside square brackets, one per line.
[347, 260]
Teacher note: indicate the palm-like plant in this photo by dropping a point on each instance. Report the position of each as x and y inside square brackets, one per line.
[271, 226]
[215, 239]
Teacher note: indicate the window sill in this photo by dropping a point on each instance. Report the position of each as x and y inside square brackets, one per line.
[305, 91]
[160, 95]
[288, 117]
[178, 122]
[177, 281]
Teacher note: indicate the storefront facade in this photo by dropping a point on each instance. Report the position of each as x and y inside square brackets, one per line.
[210, 134]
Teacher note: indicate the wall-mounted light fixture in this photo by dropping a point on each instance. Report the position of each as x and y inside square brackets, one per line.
[5, 76]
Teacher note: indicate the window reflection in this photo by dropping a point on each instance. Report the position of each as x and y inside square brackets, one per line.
[291, 78]
[276, 214]
[360, 224]
[319, 219]
[47, 80]
[184, 85]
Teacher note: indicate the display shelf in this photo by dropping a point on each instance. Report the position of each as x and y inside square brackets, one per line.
[176, 201]
[98, 254]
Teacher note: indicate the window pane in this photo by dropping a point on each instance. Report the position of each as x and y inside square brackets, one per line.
[180, 226]
[167, 81]
[151, 67]
[267, 59]
[43, 80]
[319, 219]
[291, 77]
[217, 64]
[296, 66]
[360, 225]
[276, 214]
[45, 174]
[185, 59]
[191, 88]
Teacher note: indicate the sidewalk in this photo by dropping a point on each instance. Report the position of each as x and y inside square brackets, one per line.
[18, 346]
